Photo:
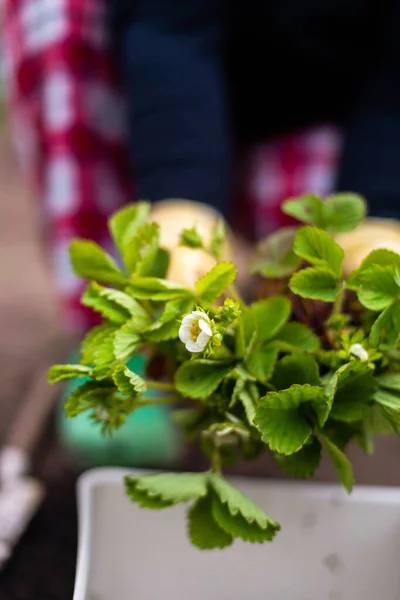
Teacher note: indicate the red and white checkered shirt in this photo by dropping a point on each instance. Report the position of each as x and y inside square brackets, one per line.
[69, 124]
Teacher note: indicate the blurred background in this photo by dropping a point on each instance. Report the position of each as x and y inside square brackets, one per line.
[106, 101]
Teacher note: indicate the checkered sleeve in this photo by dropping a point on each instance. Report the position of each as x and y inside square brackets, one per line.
[68, 116]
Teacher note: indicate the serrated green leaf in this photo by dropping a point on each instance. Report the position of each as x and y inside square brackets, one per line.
[125, 222]
[343, 212]
[218, 236]
[242, 394]
[190, 238]
[377, 422]
[203, 530]
[237, 526]
[126, 341]
[283, 424]
[341, 463]
[93, 340]
[303, 463]
[90, 261]
[317, 283]
[169, 323]
[211, 286]
[350, 391]
[103, 353]
[87, 396]
[238, 503]
[141, 252]
[387, 326]
[143, 500]
[298, 369]
[377, 287]
[389, 401]
[261, 362]
[306, 208]
[112, 304]
[389, 381]
[298, 336]
[160, 266]
[270, 315]
[380, 257]
[319, 249]
[159, 290]
[128, 383]
[199, 378]
[63, 372]
[274, 255]
[170, 487]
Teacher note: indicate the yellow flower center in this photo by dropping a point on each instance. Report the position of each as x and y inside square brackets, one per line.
[195, 331]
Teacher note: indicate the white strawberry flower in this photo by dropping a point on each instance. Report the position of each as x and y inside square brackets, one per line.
[358, 351]
[195, 331]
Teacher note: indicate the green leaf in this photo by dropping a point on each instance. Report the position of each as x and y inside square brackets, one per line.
[306, 208]
[319, 249]
[389, 381]
[114, 305]
[191, 238]
[239, 505]
[141, 253]
[218, 236]
[62, 372]
[343, 212]
[89, 261]
[380, 257]
[242, 393]
[389, 401]
[199, 378]
[124, 223]
[202, 528]
[303, 463]
[317, 283]
[270, 315]
[143, 500]
[167, 327]
[160, 266]
[237, 526]
[126, 341]
[350, 391]
[298, 369]
[283, 424]
[377, 422]
[87, 396]
[274, 256]
[261, 362]
[102, 347]
[169, 487]
[211, 286]
[93, 340]
[341, 463]
[159, 290]
[130, 384]
[377, 287]
[386, 326]
[296, 336]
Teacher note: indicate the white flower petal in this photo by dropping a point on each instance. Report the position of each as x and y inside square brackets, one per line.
[188, 320]
[200, 314]
[185, 333]
[203, 339]
[194, 346]
[205, 327]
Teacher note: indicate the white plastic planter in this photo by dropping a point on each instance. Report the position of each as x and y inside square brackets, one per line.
[331, 547]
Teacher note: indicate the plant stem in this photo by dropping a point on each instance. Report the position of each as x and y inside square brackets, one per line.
[235, 294]
[338, 305]
[216, 461]
[159, 385]
[160, 400]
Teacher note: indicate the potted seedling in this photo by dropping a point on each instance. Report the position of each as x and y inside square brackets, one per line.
[297, 374]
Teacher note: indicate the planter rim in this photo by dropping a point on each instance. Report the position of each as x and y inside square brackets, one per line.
[93, 478]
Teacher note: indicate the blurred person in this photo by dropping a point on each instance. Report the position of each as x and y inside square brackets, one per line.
[202, 75]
